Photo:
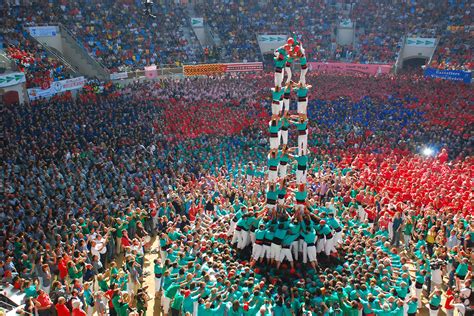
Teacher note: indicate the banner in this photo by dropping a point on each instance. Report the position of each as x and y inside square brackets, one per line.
[219, 69]
[455, 75]
[11, 79]
[40, 31]
[244, 67]
[197, 22]
[271, 38]
[119, 75]
[371, 69]
[57, 87]
[151, 72]
[420, 42]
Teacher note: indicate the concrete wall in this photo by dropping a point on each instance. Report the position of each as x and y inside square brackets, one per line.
[20, 88]
[345, 36]
[52, 41]
[416, 51]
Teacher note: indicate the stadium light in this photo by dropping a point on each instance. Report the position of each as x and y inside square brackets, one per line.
[427, 151]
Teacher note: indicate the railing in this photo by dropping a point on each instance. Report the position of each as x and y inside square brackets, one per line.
[66, 33]
[7, 63]
[434, 50]
[52, 52]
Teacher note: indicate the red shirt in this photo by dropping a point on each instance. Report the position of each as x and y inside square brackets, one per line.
[78, 312]
[44, 300]
[62, 310]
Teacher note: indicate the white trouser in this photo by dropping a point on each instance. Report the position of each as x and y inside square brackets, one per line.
[303, 75]
[311, 250]
[434, 312]
[338, 237]
[275, 251]
[236, 236]
[302, 144]
[165, 302]
[244, 239]
[231, 228]
[276, 107]
[286, 105]
[418, 295]
[282, 170]
[275, 142]
[279, 78]
[305, 252]
[294, 248]
[252, 237]
[300, 176]
[320, 245]
[285, 253]
[89, 310]
[257, 251]
[329, 246]
[284, 137]
[272, 175]
[288, 74]
[157, 284]
[267, 252]
[302, 107]
[281, 201]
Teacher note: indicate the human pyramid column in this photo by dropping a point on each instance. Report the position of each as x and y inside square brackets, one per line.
[280, 153]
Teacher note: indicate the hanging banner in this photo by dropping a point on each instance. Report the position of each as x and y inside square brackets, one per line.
[271, 38]
[420, 42]
[119, 75]
[151, 72]
[43, 31]
[219, 69]
[197, 22]
[454, 75]
[12, 79]
[57, 87]
[244, 67]
[371, 69]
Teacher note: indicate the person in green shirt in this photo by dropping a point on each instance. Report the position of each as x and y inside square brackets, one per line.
[277, 95]
[435, 302]
[274, 127]
[177, 303]
[273, 162]
[158, 271]
[412, 306]
[407, 231]
[302, 94]
[281, 56]
[302, 163]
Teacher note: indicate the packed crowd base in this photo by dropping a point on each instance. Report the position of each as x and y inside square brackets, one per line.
[88, 182]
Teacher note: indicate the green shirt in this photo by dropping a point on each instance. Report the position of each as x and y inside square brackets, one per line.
[302, 160]
[178, 301]
[435, 300]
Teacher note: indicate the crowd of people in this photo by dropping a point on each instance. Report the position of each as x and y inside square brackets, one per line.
[380, 26]
[89, 182]
[40, 67]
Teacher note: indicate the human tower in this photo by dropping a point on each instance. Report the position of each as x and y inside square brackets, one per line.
[280, 153]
